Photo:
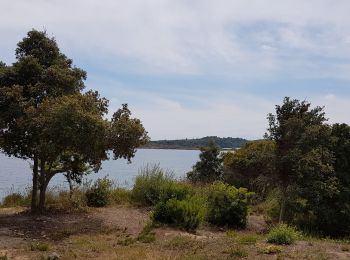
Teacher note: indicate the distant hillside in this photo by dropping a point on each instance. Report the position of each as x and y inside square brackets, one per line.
[225, 142]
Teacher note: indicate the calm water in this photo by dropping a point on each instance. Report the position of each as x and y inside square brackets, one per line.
[15, 174]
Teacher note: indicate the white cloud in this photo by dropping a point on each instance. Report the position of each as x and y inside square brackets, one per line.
[186, 37]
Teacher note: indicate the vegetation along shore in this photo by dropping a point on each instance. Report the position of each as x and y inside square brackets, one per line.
[283, 197]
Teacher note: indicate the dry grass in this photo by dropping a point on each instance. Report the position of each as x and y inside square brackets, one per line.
[124, 233]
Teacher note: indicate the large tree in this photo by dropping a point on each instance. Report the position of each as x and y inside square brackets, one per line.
[45, 116]
[304, 160]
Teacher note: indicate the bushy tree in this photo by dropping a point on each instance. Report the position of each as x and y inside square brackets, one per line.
[332, 215]
[304, 160]
[45, 116]
[252, 166]
[209, 168]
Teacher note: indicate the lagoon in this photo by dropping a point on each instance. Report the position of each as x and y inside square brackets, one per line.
[15, 174]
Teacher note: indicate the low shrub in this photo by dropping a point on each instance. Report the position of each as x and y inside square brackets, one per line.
[269, 250]
[237, 253]
[188, 213]
[227, 205]
[120, 196]
[149, 185]
[282, 234]
[99, 194]
[15, 200]
[39, 246]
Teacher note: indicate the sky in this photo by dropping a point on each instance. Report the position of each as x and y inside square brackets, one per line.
[193, 68]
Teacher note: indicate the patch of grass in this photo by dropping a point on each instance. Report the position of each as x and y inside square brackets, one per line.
[120, 196]
[184, 243]
[147, 236]
[270, 249]
[237, 253]
[127, 241]
[3, 257]
[15, 200]
[39, 246]
[247, 238]
[231, 234]
[282, 234]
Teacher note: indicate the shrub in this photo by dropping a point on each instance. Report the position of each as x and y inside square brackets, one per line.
[270, 249]
[39, 246]
[174, 190]
[120, 196]
[15, 200]
[188, 213]
[227, 205]
[149, 185]
[99, 194]
[282, 234]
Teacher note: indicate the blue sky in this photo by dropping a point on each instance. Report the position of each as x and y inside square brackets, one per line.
[199, 67]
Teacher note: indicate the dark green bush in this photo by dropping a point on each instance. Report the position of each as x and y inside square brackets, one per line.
[282, 234]
[188, 213]
[227, 205]
[99, 194]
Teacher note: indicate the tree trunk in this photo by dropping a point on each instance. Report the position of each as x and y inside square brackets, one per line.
[43, 186]
[70, 183]
[282, 207]
[35, 184]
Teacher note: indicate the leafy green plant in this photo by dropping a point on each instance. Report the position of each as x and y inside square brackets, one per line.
[282, 234]
[149, 185]
[188, 213]
[227, 205]
[99, 194]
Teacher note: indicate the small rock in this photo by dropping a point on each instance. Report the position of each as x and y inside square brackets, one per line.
[53, 256]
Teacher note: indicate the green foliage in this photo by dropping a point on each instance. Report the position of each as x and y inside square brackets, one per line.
[237, 253]
[15, 200]
[227, 205]
[154, 185]
[188, 213]
[251, 166]
[39, 246]
[303, 158]
[45, 116]
[120, 196]
[282, 234]
[209, 168]
[270, 249]
[147, 236]
[225, 142]
[99, 194]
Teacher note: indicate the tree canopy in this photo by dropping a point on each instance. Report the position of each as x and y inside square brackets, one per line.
[45, 116]
[209, 167]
